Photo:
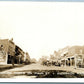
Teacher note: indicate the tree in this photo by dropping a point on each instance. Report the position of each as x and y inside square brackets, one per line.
[43, 59]
[52, 57]
[33, 60]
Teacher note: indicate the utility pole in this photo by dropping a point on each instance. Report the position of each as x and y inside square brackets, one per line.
[75, 61]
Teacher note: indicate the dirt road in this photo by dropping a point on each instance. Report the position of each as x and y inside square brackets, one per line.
[38, 66]
[34, 69]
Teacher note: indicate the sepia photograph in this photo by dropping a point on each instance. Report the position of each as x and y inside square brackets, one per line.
[41, 40]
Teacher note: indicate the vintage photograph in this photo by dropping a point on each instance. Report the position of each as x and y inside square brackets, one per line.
[41, 39]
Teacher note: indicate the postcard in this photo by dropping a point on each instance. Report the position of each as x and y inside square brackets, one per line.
[41, 41]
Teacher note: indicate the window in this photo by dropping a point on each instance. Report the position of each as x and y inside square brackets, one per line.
[1, 45]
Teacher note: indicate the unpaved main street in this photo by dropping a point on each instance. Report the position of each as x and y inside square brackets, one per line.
[38, 68]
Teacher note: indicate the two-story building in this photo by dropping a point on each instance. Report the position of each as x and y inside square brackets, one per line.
[7, 51]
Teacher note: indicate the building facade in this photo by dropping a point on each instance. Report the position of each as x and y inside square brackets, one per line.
[11, 53]
[7, 51]
[74, 56]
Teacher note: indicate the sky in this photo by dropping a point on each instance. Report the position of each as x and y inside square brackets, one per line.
[40, 28]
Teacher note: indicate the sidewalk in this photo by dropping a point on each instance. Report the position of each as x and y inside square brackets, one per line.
[9, 66]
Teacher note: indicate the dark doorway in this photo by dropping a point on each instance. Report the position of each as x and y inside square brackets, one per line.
[16, 60]
[9, 61]
[69, 61]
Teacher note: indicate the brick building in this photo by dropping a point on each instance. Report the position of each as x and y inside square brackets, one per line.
[11, 53]
[7, 51]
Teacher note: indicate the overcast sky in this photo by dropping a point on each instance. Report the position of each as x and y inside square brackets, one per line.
[42, 27]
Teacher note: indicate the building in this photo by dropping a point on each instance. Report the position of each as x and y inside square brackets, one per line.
[11, 53]
[21, 56]
[27, 58]
[7, 51]
[74, 56]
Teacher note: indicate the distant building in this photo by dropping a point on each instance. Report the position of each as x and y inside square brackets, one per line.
[27, 58]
